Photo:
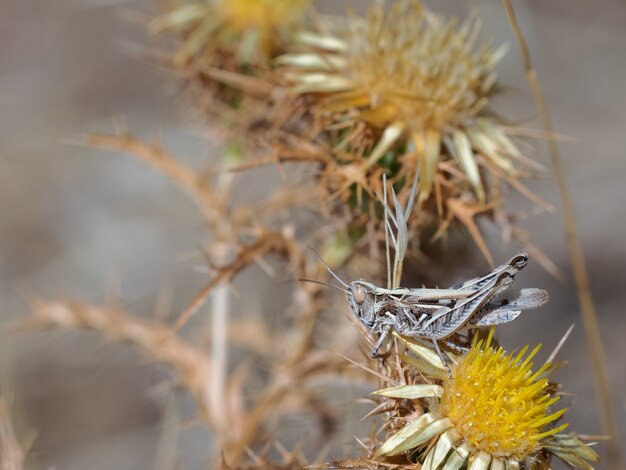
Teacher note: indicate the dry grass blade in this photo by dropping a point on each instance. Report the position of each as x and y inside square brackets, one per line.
[585, 298]
[560, 344]
[11, 454]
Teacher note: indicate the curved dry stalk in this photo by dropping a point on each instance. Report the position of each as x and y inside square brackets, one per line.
[152, 337]
[11, 454]
[188, 180]
[585, 298]
[269, 242]
[237, 426]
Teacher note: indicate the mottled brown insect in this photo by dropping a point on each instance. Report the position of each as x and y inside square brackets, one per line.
[435, 314]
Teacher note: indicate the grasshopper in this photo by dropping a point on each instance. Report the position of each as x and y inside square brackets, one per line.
[435, 314]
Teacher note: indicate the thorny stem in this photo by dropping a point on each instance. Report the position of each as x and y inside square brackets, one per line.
[587, 307]
[186, 178]
[191, 364]
[237, 432]
[151, 336]
[271, 241]
[282, 382]
[220, 308]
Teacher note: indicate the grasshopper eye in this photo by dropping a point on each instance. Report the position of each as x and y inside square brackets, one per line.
[359, 294]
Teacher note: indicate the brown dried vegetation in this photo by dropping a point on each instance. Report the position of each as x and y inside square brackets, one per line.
[271, 108]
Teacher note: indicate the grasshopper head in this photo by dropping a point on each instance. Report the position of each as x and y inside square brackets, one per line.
[362, 298]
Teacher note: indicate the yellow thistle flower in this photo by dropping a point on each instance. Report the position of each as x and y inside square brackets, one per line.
[422, 81]
[490, 412]
[251, 29]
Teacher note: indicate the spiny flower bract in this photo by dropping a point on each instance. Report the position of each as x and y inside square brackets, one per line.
[405, 88]
[418, 78]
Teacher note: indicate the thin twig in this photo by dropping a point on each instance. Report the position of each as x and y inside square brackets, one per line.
[220, 309]
[587, 307]
[558, 347]
[272, 241]
[152, 337]
[156, 157]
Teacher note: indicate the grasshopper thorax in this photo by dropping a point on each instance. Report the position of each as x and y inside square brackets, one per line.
[362, 299]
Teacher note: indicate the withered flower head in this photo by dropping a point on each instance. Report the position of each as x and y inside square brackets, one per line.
[492, 411]
[415, 76]
[403, 87]
[250, 30]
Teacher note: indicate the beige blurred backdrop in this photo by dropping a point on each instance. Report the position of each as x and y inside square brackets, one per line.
[83, 224]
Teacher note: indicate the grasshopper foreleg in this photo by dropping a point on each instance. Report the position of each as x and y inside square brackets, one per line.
[380, 340]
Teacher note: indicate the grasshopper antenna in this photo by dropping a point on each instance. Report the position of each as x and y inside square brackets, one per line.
[324, 284]
[328, 268]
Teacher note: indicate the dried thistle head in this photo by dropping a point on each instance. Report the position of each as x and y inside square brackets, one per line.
[404, 88]
[247, 31]
[223, 54]
[492, 411]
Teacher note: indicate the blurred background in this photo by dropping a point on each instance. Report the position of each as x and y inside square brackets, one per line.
[76, 223]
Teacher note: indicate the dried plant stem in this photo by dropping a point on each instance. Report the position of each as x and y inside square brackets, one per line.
[11, 455]
[587, 307]
[236, 426]
[270, 241]
[156, 157]
[152, 337]
[220, 307]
